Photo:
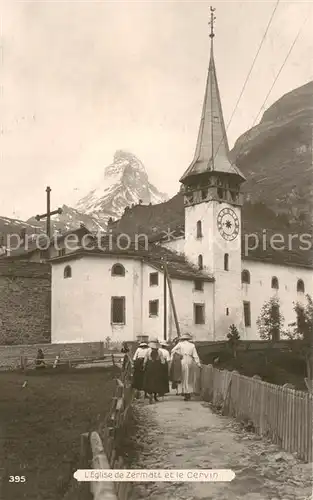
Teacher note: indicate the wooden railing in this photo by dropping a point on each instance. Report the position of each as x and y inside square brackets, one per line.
[100, 449]
[49, 362]
[280, 413]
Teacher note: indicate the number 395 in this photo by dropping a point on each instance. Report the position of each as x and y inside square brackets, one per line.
[17, 479]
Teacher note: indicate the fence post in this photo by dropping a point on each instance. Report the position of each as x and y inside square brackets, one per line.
[84, 450]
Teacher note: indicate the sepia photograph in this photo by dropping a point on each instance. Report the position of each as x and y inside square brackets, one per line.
[156, 260]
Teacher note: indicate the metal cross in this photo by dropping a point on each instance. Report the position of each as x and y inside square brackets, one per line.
[48, 214]
[211, 22]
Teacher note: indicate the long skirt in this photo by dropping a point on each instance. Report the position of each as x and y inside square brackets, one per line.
[176, 370]
[153, 377]
[138, 374]
[165, 379]
[188, 375]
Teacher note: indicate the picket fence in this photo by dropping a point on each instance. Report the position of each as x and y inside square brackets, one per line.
[282, 414]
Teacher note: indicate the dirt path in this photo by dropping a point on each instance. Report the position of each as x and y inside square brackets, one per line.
[188, 435]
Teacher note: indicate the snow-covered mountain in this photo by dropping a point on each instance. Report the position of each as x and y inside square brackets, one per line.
[125, 182]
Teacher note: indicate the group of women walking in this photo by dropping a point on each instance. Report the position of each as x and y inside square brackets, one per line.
[155, 367]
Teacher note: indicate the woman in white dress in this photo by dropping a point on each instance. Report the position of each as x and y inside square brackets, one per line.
[189, 360]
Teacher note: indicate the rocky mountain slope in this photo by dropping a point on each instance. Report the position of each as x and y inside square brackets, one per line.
[125, 183]
[276, 155]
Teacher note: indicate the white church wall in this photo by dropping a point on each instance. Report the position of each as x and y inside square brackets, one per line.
[153, 326]
[81, 305]
[176, 245]
[185, 296]
[259, 290]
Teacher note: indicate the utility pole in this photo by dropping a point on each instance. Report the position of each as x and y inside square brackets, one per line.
[166, 275]
[165, 306]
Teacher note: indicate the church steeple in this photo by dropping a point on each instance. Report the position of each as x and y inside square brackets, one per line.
[212, 150]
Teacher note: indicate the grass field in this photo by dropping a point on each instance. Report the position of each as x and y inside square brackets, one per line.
[40, 427]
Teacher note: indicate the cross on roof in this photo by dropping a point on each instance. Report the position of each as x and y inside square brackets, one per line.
[48, 214]
[211, 22]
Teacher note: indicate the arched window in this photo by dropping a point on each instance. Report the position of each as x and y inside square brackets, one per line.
[275, 284]
[245, 276]
[300, 286]
[199, 229]
[200, 262]
[226, 262]
[118, 270]
[67, 272]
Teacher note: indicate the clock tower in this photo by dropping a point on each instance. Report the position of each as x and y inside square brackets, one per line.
[212, 199]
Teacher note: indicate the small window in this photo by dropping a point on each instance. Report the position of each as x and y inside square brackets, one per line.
[199, 314]
[61, 252]
[200, 262]
[118, 270]
[275, 283]
[300, 286]
[247, 313]
[245, 276]
[199, 229]
[204, 194]
[67, 272]
[154, 279]
[118, 310]
[153, 308]
[199, 285]
[226, 262]
[227, 311]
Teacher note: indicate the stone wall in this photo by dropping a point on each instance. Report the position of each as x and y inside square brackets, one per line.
[25, 297]
[10, 355]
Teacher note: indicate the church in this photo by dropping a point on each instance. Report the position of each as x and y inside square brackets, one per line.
[199, 279]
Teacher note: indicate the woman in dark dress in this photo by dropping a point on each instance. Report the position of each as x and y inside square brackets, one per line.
[153, 383]
[138, 360]
[166, 366]
[175, 369]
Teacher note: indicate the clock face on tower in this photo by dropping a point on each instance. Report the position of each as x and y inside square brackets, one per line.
[228, 224]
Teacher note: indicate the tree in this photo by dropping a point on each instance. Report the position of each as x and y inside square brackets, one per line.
[301, 333]
[233, 339]
[270, 321]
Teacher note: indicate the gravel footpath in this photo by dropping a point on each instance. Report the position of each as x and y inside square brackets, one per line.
[175, 434]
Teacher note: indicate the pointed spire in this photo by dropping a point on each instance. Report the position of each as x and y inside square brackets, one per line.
[212, 150]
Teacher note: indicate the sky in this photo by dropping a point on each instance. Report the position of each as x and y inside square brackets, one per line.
[81, 79]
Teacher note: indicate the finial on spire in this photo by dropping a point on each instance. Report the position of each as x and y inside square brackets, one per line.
[211, 22]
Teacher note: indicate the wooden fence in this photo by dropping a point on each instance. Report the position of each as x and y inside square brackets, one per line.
[282, 414]
[57, 361]
[100, 449]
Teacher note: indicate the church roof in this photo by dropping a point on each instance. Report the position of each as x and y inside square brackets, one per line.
[212, 150]
[154, 255]
[168, 220]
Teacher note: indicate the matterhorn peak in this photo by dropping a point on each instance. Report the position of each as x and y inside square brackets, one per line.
[125, 183]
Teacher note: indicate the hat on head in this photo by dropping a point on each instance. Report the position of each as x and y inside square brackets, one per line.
[143, 344]
[154, 345]
[185, 336]
[164, 343]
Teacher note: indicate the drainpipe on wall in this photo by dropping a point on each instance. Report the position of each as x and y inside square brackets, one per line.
[214, 336]
[141, 297]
